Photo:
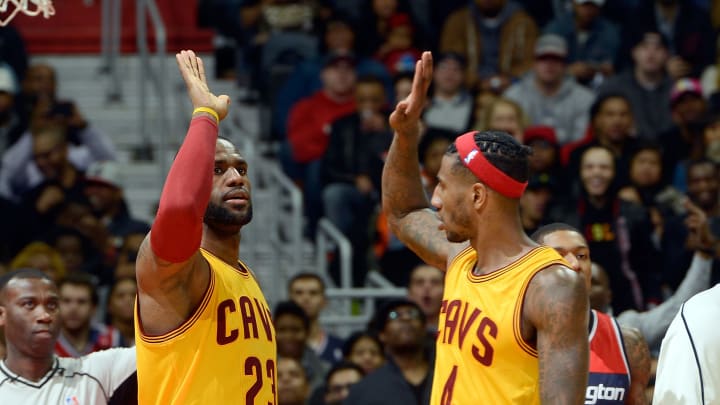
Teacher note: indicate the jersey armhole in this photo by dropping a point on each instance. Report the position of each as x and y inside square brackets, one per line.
[184, 326]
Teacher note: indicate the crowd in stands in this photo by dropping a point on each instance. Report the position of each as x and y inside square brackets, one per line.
[619, 100]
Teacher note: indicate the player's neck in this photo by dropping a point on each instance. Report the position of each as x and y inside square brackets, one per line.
[500, 241]
[225, 246]
[32, 369]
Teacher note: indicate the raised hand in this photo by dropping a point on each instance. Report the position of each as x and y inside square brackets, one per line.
[405, 120]
[193, 72]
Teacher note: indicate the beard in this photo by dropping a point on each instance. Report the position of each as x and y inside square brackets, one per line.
[217, 215]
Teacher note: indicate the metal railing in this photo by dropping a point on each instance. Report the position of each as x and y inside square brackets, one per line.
[111, 26]
[153, 73]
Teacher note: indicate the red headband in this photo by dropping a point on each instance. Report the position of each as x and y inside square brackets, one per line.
[473, 159]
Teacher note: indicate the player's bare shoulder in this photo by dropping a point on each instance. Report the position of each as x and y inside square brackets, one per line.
[555, 292]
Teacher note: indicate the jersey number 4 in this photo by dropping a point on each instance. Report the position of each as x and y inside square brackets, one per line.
[447, 392]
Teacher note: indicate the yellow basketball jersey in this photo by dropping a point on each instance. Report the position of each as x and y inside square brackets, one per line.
[224, 353]
[481, 355]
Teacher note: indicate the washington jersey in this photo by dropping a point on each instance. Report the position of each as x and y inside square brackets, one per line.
[481, 355]
[224, 353]
[91, 379]
[609, 377]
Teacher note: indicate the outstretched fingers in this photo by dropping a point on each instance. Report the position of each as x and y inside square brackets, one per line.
[420, 85]
[201, 69]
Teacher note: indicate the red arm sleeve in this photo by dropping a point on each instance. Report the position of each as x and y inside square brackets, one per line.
[177, 229]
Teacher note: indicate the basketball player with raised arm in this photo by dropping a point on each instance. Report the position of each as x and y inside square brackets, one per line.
[203, 329]
[514, 316]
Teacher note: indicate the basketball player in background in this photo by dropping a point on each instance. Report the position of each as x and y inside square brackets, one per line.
[619, 356]
[510, 306]
[203, 329]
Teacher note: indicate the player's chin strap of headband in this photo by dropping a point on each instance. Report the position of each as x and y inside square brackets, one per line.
[473, 159]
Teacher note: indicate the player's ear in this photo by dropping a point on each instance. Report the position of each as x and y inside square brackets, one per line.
[2, 315]
[480, 195]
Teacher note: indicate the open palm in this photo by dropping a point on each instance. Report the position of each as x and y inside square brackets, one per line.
[193, 73]
[405, 120]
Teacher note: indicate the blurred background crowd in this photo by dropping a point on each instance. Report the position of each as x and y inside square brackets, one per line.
[618, 99]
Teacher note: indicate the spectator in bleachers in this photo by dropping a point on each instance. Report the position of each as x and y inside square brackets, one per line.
[618, 232]
[339, 37]
[364, 349]
[646, 84]
[402, 84]
[352, 167]
[503, 114]
[375, 25]
[654, 322]
[74, 247]
[78, 334]
[685, 138]
[593, 41]
[535, 203]
[128, 249]
[425, 288]
[339, 380]
[545, 158]
[11, 127]
[549, 96]
[308, 129]
[406, 378]
[42, 108]
[398, 53]
[496, 37]
[10, 241]
[120, 312]
[104, 190]
[292, 327]
[685, 26]
[40, 256]
[612, 125]
[293, 384]
[308, 291]
[451, 104]
[648, 189]
[703, 188]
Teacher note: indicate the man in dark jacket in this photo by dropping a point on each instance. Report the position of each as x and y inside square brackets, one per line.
[406, 378]
[352, 166]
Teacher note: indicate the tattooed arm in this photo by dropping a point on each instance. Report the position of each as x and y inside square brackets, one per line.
[639, 359]
[404, 201]
[556, 307]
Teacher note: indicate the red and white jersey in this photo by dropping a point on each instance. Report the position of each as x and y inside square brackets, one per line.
[609, 378]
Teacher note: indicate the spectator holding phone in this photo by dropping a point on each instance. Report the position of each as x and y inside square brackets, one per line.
[41, 108]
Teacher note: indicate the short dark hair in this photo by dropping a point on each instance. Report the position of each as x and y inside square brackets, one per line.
[83, 280]
[341, 366]
[23, 273]
[699, 162]
[503, 151]
[600, 101]
[377, 324]
[540, 234]
[308, 276]
[355, 337]
[370, 79]
[431, 136]
[292, 309]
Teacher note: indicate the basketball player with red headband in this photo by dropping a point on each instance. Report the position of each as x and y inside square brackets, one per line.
[514, 316]
[203, 330]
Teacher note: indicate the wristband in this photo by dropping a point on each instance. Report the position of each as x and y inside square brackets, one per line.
[209, 111]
